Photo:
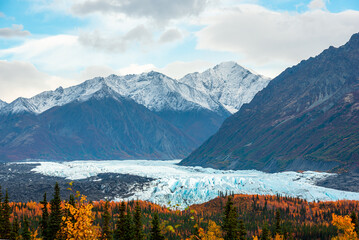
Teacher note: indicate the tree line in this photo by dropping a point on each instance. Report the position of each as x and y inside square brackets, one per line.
[77, 218]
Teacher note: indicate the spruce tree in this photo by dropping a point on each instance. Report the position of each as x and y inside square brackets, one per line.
[106, 217]
[44, 223]
[6, 211]
[129, 225]
[278, 229]
[242, 230]
[15, 228]
[138, 227]
[155, 230]
[230, 221]
[265, 232]
[56, 214]
[25, 233]
[72, 200]
[354, 218]
[120, 223]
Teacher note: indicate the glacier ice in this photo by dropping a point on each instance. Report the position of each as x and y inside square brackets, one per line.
[185, 186]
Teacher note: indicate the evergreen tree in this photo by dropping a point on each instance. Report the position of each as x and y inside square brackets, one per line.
[44, 223]
[129, 225]
[56, 214]
[26, 234]
[155, 230]
[278, 229]
[14, 235]
[6, 212]
[242, 230]
[230, 221]
[120, 223]
[354, 218]
[106, 217]
[138, 228]
[265, 233]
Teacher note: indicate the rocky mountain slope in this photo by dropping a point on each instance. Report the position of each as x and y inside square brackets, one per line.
[2, 104]
[145, 116]
[307, 118]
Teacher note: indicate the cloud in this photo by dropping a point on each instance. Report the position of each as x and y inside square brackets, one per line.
[2, 15]
[317, 4]
[263, 37]
[159, 10]
[19, 78]
[13, 32]
[170, 35]
[139, 35]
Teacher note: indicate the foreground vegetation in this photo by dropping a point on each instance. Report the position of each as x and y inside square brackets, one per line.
[227, 217]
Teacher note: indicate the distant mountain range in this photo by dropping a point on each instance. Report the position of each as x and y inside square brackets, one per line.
[307, 118]
[145, 116]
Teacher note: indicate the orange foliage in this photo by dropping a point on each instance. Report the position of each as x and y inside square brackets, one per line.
[345, 227]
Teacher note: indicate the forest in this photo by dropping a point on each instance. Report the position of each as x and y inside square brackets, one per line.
[229, 216]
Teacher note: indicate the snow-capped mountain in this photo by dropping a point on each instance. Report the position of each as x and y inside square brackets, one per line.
[2, 104]
[154, 90]
[148, 115]
[227, 83]
[225, 87]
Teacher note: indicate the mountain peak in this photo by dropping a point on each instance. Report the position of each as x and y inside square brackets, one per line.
[2, 104]
[354, 41]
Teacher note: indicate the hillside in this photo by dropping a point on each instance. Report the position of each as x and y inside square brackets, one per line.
[307, 118]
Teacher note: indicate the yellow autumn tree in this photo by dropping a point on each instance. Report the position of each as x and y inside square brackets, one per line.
[78, 223]
[345, 227]
[214, 232]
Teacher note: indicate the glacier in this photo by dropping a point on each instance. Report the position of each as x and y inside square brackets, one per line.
[181, 186]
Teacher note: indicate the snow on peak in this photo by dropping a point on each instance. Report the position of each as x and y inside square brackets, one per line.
[228, 83]
[220, 89]
[2, 104]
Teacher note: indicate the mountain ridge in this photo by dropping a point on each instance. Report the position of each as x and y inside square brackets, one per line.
[305, 119]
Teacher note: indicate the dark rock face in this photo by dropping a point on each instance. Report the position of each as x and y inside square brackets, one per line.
[99, 128]
[306, 119]
[24, 185]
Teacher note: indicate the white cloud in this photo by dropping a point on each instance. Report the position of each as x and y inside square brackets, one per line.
[13, 32]
[19, 78]
[170, 35]
[159, 10]
[262, 37]
[317, 4]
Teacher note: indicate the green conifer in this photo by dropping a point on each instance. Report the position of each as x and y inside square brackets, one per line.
[25, 233]
[6, 212]
[44, 223]
[242, 230]
[120, 223]
[138, 227]
[129, 234]
[230, 221]
[55, 217]
[155, 230]
[354, 218]
[265, 232]
[14, 235]
[106, 217]
[278, 229]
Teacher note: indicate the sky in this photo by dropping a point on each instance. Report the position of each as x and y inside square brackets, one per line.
[45, 44]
